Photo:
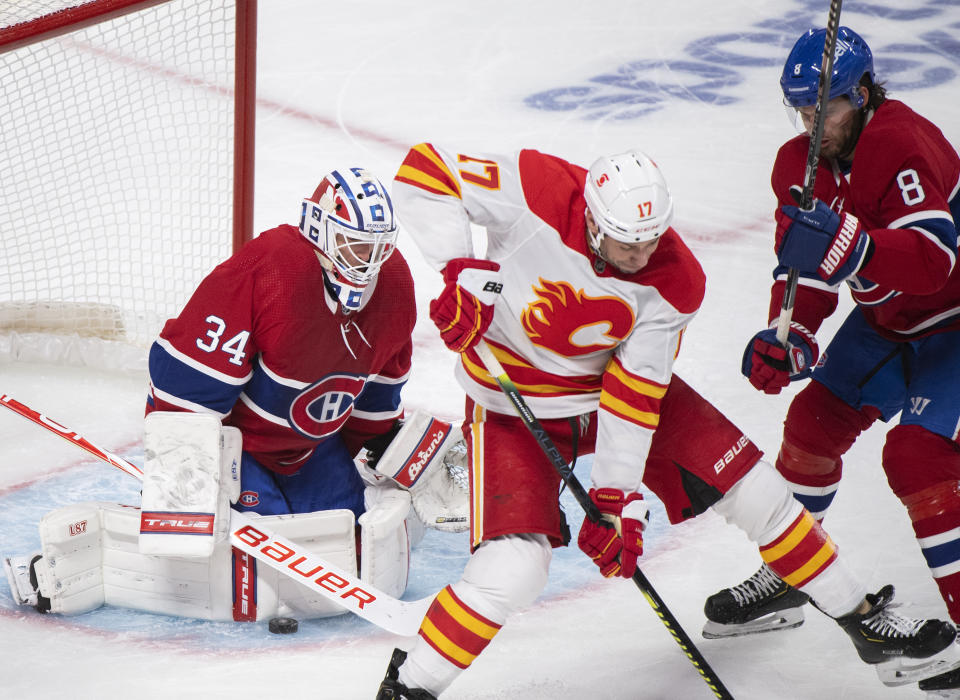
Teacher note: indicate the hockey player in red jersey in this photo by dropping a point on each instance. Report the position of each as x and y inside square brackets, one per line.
[885, 221]
[296, 348]
[583, 294]
[302, 340]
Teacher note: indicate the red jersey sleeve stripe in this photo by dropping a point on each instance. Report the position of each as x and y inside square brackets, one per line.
[527, 378]
[617, 374]
[629, 412]
[424, 168]
[630, 396]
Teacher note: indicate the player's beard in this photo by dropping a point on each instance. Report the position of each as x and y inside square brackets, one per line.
[845, 150]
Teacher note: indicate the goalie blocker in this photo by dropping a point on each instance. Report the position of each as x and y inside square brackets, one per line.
[172, 556]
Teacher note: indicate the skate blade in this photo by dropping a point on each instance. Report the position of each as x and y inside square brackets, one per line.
[18, 576]
[771, 622]
[903, 670]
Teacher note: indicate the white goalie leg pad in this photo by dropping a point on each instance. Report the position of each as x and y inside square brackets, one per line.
[763, 506]
[90, 557]
[191, 474]
[70, 570]
[427, 458]
[384, 539]
[330, 534]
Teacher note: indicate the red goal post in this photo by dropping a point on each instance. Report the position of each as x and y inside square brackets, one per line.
[126, 166]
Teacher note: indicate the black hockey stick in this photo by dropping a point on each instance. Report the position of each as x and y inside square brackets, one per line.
[593, 513]
[813, 157]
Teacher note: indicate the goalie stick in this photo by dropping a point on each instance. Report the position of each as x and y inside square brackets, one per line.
[813, 157]
[565, 470]
[247, 535]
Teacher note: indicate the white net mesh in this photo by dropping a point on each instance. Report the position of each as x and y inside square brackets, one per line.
[116, 168]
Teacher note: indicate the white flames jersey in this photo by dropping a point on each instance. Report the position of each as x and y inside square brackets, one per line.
[574, 333]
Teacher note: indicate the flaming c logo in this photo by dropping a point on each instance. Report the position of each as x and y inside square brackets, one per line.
[570, 323]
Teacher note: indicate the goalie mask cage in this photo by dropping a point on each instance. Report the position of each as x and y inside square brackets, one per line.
[126, 167]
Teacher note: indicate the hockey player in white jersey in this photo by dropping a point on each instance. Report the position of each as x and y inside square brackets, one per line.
[583, 294]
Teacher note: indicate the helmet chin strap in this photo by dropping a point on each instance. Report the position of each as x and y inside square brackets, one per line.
[329, 285]
[593, 239]
[593, 242]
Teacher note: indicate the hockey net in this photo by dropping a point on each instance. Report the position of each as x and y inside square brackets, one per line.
[125, 168]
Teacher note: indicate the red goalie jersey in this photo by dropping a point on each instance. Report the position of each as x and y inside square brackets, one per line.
[263, 345]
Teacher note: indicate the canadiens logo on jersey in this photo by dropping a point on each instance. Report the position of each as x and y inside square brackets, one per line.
[323, 407]
[571, 323]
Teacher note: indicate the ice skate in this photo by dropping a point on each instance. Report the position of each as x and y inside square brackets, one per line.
[762, 603]
[392, 689]
[903, 649]
[23, 581]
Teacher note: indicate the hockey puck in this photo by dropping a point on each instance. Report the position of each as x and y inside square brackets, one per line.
[283, 625]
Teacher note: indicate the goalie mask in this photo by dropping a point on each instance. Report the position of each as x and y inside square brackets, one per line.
[628, 198]
[351, 222]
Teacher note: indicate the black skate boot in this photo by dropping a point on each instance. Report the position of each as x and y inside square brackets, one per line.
[903, 649]
[392, 689]
[762, 603]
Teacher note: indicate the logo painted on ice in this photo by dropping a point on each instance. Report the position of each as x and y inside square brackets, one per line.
[323, 407]
[711, 69]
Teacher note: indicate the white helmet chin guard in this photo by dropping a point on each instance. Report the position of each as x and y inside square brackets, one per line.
[628, 197]
[350, 220]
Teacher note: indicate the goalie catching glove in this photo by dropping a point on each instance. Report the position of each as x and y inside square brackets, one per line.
[615, 543]
[425, 458]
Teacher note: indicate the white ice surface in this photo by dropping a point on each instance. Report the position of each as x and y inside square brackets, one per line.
[351, 83]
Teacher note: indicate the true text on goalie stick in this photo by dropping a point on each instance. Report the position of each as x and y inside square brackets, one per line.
[247, 535]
